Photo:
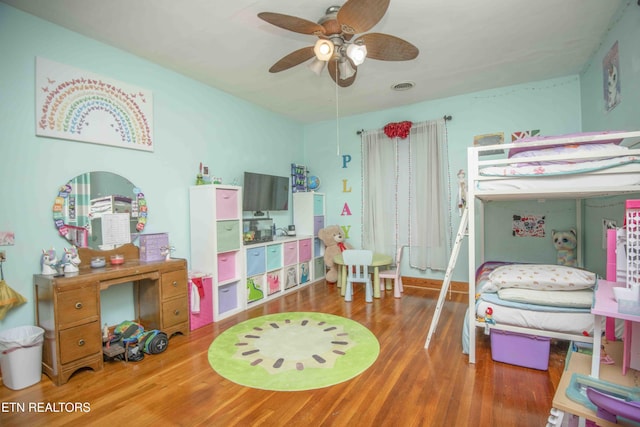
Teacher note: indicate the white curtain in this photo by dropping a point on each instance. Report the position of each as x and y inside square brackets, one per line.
[406, 194]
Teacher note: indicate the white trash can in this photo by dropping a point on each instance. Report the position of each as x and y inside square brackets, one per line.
[21, 356]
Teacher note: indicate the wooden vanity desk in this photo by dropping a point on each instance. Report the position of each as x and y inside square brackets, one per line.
[68, 307]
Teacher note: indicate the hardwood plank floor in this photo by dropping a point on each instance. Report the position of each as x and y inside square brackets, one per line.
[406, 386]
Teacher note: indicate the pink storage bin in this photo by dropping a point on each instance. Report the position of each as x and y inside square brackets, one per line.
[304, 250]
[226, 203]
[205, 315]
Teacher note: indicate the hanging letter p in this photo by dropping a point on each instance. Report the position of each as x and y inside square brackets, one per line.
[345, 159]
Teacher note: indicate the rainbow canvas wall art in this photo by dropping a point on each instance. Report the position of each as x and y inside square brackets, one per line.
[78, 105]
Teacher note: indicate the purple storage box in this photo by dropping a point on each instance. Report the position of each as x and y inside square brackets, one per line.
[529, 351]
[151, 246]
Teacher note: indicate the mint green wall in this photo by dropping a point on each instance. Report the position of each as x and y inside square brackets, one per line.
[563, 105]
[625, 116]
[553, 106]
[192, 123]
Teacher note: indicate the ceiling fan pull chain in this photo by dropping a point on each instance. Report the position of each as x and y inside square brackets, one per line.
[337, 113]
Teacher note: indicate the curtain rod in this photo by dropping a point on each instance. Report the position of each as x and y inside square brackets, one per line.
[446, 118]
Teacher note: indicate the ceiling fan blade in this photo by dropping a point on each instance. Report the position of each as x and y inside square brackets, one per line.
[292, 59]
[359, 16]
[292, 23]
[388, 48]
[334, 72]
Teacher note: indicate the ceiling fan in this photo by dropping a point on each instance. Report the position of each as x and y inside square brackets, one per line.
[335, 47]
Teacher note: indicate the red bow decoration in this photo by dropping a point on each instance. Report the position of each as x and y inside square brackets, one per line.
[401, 129]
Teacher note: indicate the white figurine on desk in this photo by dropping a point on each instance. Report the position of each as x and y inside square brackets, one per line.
[166, 251]
[49, 260]
[71, 260]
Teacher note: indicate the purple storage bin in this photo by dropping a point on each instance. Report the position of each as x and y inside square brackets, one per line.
[529, 351]
[151, 246]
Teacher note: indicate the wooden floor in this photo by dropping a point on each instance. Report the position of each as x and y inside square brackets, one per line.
[406, 386]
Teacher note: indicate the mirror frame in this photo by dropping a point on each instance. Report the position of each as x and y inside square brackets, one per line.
[82, 234]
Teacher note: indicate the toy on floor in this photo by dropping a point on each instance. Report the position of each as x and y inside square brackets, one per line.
[565, 243]
[334, 241]
[605, 359]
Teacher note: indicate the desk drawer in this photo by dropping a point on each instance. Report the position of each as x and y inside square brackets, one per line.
[77, 305]
[174, 284]
[174, 312]
[80, 341]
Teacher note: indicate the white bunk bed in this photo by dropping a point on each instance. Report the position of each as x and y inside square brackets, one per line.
[564, 167]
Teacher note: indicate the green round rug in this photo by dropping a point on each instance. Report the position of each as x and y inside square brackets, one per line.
[293, 351]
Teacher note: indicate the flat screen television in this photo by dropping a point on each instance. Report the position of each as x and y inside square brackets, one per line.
[265, 193]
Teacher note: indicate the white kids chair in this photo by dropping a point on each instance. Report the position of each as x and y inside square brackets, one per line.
[357, 262]
[393, 274]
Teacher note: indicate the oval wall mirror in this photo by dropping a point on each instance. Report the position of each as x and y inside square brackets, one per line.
[99, 210]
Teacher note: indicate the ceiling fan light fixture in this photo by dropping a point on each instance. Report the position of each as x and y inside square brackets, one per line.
[317, 66]
[345, 69]
[323, 49]
[357, 53]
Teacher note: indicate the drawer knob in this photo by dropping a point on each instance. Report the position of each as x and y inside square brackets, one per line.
[80, 343]
[176, 312]
[78, 305]
[175, 284]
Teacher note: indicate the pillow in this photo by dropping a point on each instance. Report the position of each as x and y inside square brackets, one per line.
[516, 150]
[574, 299]
[541, 277]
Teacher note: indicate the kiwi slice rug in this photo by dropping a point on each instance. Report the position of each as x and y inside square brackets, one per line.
[293, 351]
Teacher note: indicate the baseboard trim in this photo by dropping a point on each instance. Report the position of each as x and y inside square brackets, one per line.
[435, 284]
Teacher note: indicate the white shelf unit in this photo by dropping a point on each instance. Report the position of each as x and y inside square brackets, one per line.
[216, 244]
[277, 267]
[309, 214]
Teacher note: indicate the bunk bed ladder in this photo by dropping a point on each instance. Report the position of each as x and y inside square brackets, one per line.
[462, 232]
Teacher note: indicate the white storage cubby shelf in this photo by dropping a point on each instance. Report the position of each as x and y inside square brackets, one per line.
[216, 245]
[247, 275]
[277, 267]
[309, 217]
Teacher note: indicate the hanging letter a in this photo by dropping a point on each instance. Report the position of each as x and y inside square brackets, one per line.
[345, 210]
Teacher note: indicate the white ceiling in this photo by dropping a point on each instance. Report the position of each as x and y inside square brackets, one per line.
[465, 46]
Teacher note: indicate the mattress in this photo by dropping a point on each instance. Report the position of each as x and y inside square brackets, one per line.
[618, 176]
[571, 321]
[553, 318]
[564, 166]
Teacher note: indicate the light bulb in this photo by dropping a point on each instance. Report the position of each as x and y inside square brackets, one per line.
[357, 53]
[323, 49]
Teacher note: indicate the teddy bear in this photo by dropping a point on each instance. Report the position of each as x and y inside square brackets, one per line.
[565, 243]
[333, 238]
